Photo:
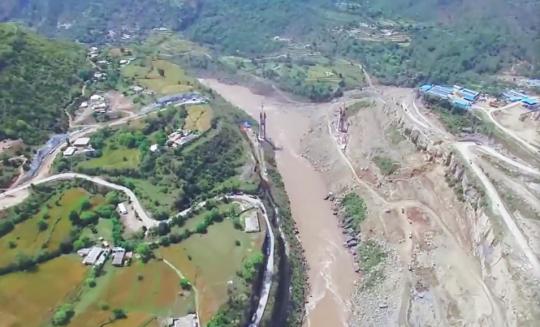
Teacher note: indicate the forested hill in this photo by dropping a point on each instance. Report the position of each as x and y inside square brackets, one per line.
[445, 40]
[90, 21]
[455, 37]
[38, 77]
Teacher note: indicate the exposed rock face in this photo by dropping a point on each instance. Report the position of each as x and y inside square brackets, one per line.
[502, 267]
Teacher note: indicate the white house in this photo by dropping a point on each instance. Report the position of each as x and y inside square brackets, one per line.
[82, 142]
[69, 151]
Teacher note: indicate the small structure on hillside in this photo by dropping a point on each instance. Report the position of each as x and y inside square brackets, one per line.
[118, 256]
[189, 320]
[154, 148]
[70, 151]
[181, 137]
[82, 142]
[94, 256]
[122, 208]
[251, 222]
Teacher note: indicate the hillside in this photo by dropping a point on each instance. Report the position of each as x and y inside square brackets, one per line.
[401, 42]
[38, 78]
[91, 21]
[454, 39]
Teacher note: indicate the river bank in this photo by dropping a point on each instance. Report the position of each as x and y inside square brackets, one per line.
[331, 273]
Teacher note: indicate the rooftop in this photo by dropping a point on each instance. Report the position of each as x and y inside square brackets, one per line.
[83, 141]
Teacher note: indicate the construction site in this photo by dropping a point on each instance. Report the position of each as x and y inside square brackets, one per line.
[451, 234]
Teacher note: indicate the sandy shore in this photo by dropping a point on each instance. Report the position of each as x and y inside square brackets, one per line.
[331, 266]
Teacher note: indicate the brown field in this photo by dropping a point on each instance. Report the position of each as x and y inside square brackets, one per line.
[155, 295]
[28, 299]
[199, 118]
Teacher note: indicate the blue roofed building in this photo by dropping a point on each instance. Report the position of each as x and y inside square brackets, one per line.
[426, 87]
[530, 103]
[469, 95]
[461, 104]
[440, 91]
[514, 96]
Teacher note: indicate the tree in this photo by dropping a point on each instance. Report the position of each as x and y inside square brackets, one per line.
[42, 225]
[144, 251]
[161, 72]
[113, 198]
[63, 315]
[24, 262]
[119, 314]
[163, 228]
[74, 217]
[89, 218]
[85, 204]
[185, 284]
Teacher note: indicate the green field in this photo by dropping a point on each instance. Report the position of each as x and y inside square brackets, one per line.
[152, 195]
[147, 73]
[30, 240]
[215, 259]
[120, 158]
[27, 299]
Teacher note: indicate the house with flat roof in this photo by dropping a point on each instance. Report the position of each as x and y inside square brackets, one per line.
[251, 223]
[82, 142]
[69, 151]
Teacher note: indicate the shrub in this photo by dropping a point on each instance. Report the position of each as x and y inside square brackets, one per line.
[63, 315]
[185, 284]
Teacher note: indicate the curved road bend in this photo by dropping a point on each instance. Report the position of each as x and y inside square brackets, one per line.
[508, 132]
[150, 222]
[137, 206]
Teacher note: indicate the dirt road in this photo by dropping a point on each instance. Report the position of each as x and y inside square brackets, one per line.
[331, 272]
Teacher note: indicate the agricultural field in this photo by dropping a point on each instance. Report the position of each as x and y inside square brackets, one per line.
[213, 266]
[199, 118]
[27, 238]
[307, 74]
[160, 76]
[118, 158]
[28, 298]
[143, 291]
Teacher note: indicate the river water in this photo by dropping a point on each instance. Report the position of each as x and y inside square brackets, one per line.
[331, 272]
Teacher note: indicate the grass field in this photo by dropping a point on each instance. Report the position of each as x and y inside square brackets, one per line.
[147, 73]
[30, 240]
[199, 118]
[120, 158]
[152, 195]
[27, 299]
[155, 294]
[215, 259]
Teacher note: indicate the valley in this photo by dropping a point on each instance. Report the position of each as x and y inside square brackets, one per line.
[307, 163]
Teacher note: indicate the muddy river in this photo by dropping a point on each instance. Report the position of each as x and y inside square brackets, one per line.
[331, 272]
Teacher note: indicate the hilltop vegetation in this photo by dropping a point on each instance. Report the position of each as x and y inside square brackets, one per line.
[91, 21]
[38, 78]
[443, 41]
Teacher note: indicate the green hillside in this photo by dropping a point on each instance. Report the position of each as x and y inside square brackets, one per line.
[38, 77]
[443, 40]
[91, 21]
